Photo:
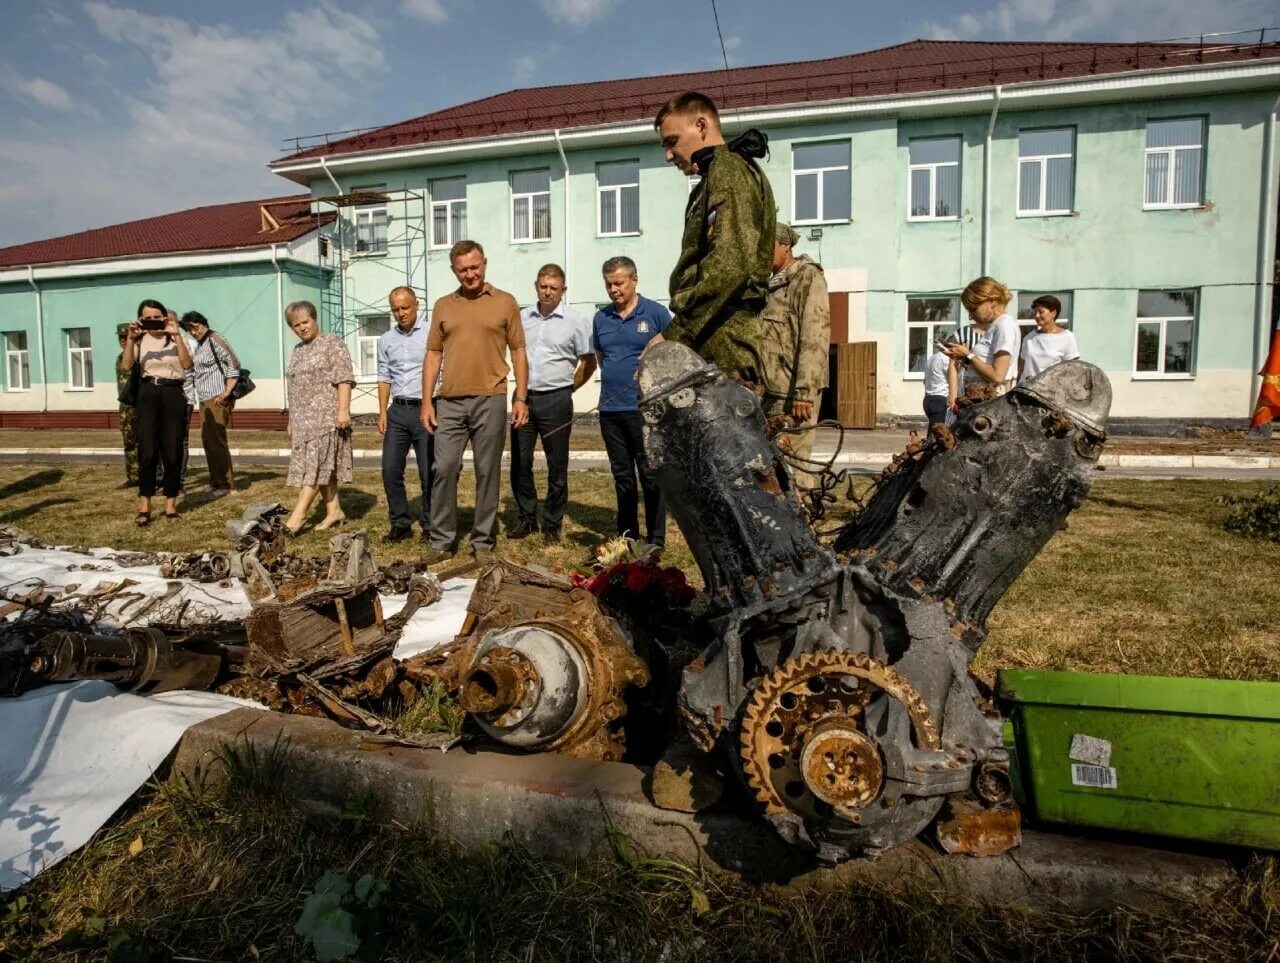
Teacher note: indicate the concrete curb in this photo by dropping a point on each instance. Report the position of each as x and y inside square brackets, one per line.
[565, 809]
[859, 459]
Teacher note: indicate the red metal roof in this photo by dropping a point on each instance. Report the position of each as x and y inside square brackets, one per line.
[216, 228]
[916, 67]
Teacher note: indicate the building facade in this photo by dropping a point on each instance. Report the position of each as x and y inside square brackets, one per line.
[1135, 182]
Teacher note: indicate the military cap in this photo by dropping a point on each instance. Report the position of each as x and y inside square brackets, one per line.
[123, 329]
[786, 234]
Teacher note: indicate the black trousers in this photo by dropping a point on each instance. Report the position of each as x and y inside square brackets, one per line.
[162, 429]
[405, 431]
[935, 409]
[624, 443]
[551, 419]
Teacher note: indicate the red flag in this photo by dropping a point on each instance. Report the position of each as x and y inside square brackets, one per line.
[1268, 406]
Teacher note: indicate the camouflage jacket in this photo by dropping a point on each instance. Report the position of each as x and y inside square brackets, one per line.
[720, 282]
[796, 331]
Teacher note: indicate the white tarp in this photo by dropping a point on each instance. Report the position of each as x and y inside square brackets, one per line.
[73, 754]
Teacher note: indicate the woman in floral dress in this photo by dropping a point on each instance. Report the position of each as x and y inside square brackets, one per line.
[320, 380]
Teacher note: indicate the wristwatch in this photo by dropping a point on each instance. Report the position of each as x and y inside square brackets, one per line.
[520, 399]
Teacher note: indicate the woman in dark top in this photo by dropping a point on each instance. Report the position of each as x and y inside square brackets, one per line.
[157, 344]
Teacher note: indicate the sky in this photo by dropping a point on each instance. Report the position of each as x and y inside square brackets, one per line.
[113, 110]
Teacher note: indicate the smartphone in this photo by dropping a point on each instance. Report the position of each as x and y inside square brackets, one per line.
[152, 324]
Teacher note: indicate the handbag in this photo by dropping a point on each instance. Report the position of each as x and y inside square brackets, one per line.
[128, 394]
[244, 384]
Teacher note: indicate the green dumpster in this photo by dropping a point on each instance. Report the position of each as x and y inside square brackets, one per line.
[1193, 758]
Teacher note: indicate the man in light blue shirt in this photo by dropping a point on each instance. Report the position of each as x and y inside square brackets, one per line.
[561, 360]
[400, 355]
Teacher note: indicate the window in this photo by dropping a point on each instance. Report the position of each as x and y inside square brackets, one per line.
[928, 320]
[618, 198]
[371, 230]
[372, 327]
[1166, 334]
[1175, 163]
[80, 358]
[1026, 317]
[448, 211]
[531, 205]
[820, 182]
[17, 363]
[934, 175]
[1045, 175]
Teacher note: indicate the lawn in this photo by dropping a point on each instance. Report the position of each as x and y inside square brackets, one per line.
[1143, 580]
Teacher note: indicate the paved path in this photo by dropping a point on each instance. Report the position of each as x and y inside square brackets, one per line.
[858, 461]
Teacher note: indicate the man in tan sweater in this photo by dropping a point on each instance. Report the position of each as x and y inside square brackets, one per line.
[471, 331]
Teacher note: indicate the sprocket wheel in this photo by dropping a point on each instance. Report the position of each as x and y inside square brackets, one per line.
[804, 742]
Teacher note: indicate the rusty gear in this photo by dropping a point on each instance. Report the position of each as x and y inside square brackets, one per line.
[804, 743]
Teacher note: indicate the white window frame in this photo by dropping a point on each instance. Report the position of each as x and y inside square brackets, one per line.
[448, 207]
[369, 211]
[1042, 160]
[529, 196]
[795, 171]
[1172, 171]
[933, 168]
[1161, 375]
[616, 190]
[86, 361]
[930, 326]
[23, 358]
[363, 339]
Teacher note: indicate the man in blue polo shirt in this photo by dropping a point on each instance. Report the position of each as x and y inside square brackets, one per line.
[400, 354]
[558, 344]
[620, 332]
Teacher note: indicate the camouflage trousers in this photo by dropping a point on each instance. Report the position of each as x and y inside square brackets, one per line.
[800, 445]
[129, 436]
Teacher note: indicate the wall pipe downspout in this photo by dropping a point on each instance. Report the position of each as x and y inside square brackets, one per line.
[44, 368]
[324, 166]
[284, 381]
[986, 181]
[567, 233]
[1266, 255]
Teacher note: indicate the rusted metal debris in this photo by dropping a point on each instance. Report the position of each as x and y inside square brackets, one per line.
[539, 665]
[837, 683]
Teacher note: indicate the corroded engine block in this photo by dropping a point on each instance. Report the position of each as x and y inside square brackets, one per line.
[838, 683]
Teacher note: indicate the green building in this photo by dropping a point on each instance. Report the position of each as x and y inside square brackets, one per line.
[1137, 182]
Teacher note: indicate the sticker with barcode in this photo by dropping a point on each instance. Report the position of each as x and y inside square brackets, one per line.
[1095, 777]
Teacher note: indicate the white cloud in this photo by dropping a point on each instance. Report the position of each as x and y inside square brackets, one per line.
[1100, 20]
[432, 11]
[41, 92]
[202, 110]
[577, 13]
[524, 68]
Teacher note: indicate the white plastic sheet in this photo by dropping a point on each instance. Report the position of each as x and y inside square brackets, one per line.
[74, 754]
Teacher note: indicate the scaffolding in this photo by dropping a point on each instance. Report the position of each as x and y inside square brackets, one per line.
[353, 237]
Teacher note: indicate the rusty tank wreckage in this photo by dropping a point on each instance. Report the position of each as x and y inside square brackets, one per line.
[833, 677]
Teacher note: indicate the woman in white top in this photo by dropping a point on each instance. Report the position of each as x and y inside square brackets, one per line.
[987, 350]
[1049, 344]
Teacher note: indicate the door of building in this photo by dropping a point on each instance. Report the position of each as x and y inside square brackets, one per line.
[855, 383]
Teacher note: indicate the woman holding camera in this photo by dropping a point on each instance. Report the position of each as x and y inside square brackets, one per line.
[156, 344]
[320, 378]
[986, 351]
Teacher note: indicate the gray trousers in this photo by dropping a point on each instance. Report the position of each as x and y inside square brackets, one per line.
[482, 420]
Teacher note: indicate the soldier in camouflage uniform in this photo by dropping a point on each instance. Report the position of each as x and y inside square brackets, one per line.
[795, 342]
[128, 418]
[720, 282]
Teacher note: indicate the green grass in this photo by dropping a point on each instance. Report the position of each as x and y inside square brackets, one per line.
[223, 873]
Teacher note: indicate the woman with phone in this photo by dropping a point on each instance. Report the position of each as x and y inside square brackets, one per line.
[320, 378]
[986, 351]
[156, 344]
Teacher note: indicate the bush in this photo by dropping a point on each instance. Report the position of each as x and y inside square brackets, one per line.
[1254, 516]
